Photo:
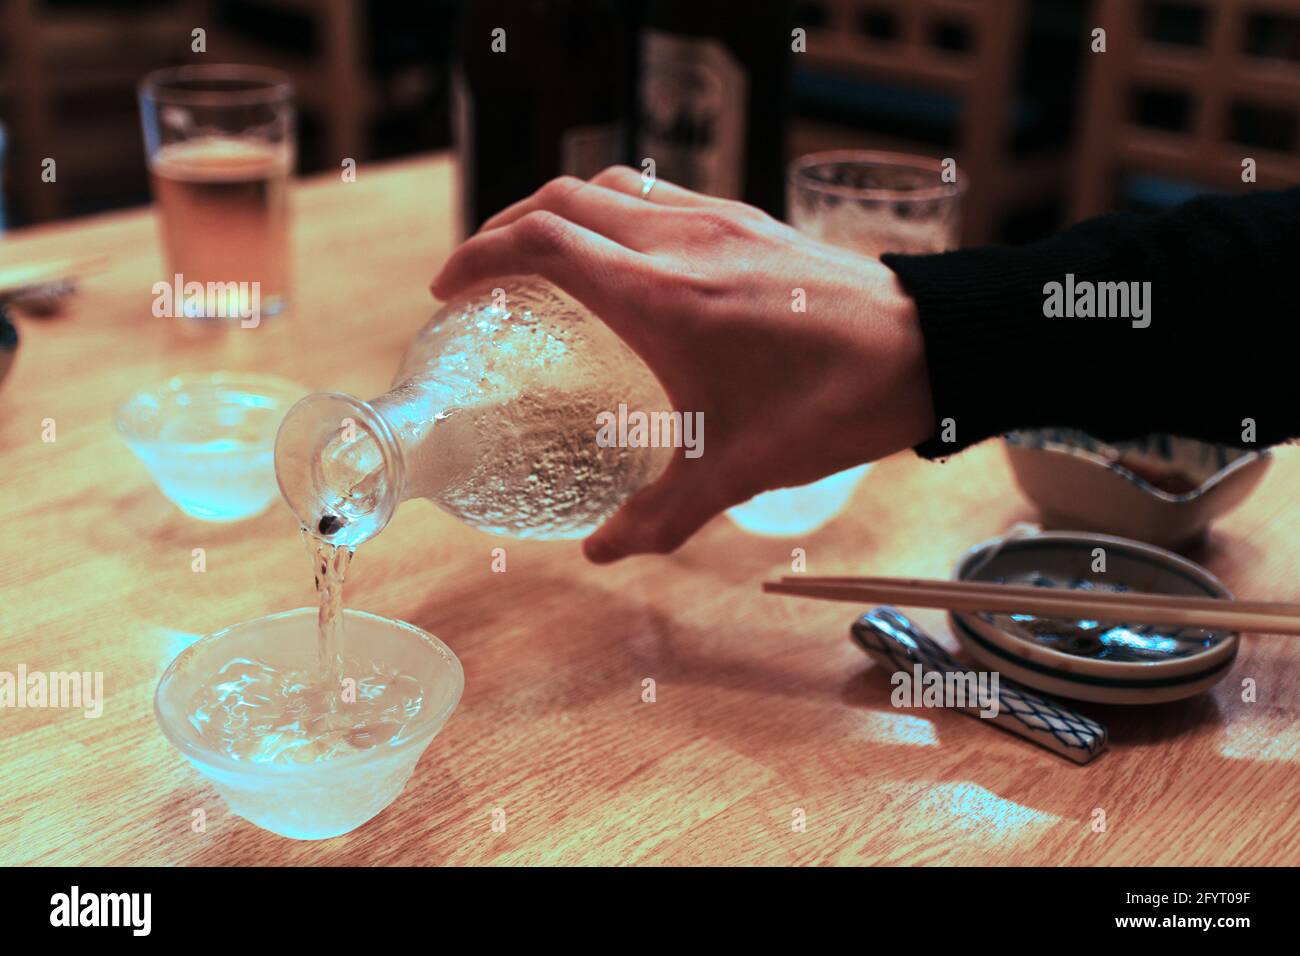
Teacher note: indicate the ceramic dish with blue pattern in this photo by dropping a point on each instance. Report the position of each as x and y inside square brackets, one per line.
[8, 343]
[1107, 662]
[1161, 489]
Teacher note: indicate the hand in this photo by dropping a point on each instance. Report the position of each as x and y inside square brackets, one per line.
[702, 289]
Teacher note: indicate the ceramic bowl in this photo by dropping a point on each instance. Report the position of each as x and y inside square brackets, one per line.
[1163, 490]
[311, 801]
[1106, 662]
[8, 343]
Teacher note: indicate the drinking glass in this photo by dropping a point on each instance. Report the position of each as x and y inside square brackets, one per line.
[220, 146]
[872, 203]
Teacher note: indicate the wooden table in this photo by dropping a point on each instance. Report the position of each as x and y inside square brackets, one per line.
[762, 708]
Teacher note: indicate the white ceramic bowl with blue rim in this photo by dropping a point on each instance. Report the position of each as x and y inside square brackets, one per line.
[1106, 662]
[1161, 489]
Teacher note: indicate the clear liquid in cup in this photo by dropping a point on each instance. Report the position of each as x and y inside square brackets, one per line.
[255, 711]
[223, 205]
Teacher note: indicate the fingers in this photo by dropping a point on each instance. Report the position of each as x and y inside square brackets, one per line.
[616, 215]
[604, 223]
[626, 180]
[657, 519]
[599, 272]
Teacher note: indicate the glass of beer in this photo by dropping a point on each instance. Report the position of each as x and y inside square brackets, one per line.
[875, 202]
[220, 146]
[872, 203]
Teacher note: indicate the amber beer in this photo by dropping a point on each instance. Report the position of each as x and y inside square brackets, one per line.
[223, 211]
[220, 144]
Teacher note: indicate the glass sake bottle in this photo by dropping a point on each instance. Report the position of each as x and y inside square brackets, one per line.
[494, 414]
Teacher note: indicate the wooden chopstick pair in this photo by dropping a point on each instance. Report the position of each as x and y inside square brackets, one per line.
[25, 277]
[1129, 607]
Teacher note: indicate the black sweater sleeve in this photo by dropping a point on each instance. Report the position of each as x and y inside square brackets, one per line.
[1222, 344]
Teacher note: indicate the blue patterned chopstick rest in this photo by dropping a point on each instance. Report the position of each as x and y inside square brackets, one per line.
[897, 644]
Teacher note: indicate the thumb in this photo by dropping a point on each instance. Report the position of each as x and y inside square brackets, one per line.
[658, 518]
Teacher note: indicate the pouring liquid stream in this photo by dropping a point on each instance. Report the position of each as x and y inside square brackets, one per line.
[261, 711]
[330, 564]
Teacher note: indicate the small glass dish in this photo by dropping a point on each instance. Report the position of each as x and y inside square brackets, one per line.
[329, 797]
[789, 512]
[208, 440]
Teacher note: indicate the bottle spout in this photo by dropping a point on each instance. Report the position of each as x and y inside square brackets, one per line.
[339, 466]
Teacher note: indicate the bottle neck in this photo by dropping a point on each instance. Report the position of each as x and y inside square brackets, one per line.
[340, 465]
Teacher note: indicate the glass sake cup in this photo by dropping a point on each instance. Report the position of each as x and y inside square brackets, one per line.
[788, 512]
[208, 440]
[329, 797]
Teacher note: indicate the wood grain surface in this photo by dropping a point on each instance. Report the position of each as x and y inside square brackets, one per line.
[762, 708]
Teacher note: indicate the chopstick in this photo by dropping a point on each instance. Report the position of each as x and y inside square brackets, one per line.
[21, 277]
[1121, 598]
[1131, 607]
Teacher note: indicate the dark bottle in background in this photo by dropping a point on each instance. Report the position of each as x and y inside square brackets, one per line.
[559, 99]
[712, 96]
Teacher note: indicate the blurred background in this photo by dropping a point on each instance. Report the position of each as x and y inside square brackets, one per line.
[1047, 131]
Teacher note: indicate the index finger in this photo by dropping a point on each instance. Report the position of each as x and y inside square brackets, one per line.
[598, 272]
